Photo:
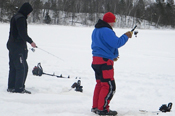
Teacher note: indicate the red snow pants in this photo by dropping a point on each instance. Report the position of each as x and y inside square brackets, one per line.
[105, 84]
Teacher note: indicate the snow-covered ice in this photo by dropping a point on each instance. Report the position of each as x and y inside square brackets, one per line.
[144, 73]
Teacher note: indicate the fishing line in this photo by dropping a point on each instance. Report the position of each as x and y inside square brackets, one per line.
[33, 49]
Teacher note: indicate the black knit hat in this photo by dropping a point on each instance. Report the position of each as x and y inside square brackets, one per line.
[25, 9]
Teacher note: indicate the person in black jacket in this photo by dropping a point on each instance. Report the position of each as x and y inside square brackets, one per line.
[17, 47]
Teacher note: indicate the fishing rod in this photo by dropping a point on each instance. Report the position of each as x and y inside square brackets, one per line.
[135, 32]
[134, 28]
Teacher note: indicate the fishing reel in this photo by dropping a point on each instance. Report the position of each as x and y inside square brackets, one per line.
[135, 33]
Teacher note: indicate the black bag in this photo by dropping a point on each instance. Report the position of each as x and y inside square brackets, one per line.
[77, 86]
[37, 70]
[165, 108]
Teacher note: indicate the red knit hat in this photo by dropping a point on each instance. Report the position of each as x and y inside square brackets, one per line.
[109, 17]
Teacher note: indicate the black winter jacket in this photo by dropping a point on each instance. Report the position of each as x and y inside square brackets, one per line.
[18, 29]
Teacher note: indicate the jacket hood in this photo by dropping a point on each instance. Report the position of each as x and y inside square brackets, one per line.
[101, 24]
[25, 9]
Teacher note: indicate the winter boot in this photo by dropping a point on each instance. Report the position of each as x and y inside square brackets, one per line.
[10, 90]
[22, 91]
[94, 110]
[26, 91]
[105, 112]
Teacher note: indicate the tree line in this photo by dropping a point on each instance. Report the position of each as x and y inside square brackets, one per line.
[87, 12]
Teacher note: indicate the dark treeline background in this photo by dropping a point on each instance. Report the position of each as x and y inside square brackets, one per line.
[129, 12]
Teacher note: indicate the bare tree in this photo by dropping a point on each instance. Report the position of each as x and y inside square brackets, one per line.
[85, 11]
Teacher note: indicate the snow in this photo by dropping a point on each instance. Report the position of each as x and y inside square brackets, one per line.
[144, 73]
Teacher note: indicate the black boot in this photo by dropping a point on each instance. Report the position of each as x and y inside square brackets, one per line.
[26, 91]
[11, 90]
[22, 91]
[94, 110]
[105, 112]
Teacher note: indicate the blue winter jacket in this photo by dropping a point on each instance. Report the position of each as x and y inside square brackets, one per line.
[104, 41]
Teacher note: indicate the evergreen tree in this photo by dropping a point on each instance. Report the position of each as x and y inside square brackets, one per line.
[37, 7]
[169, 15]
[171, 2]
[159, 13]
[140, 12]
[47, 19]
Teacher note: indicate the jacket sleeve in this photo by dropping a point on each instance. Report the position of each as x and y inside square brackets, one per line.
[22, 30]
[112, 40]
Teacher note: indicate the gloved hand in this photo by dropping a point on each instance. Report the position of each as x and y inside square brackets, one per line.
[115, 59]
[129, 34]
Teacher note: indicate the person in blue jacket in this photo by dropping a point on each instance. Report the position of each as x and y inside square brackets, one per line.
[105, 46]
